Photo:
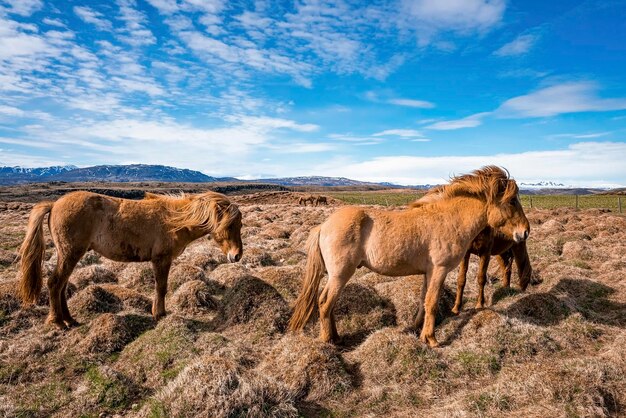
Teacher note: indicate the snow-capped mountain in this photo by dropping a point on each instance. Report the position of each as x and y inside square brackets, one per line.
[317, 181]
[112, 173]
[542, 184]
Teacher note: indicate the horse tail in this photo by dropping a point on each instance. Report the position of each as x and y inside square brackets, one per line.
[306, 303]
[524, 268]
[32, 252]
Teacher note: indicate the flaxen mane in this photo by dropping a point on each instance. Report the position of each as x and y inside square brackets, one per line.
[489, 183]
[216, 216]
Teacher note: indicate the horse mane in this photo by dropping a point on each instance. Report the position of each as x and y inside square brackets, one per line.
[490, 183]
[210, 211]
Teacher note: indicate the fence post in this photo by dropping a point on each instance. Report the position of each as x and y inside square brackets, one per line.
[619, 203]
[576, 201]
[531, 201]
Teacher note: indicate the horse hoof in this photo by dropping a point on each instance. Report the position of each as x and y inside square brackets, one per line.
[56, 323]
[157, 317]
[456, 311]
[70, 323]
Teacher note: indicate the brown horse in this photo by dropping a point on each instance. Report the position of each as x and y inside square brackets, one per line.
[489, 242]
[307, 198]
[429, 239]
[157, 229]
[321, 200]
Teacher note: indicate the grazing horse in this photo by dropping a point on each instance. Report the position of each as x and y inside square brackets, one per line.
[157, 229]
[307, 198]
[488, 242]
[491, 243]
[321, 200]
[430, 239]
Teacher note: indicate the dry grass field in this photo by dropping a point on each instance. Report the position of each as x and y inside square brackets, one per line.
[557, 350]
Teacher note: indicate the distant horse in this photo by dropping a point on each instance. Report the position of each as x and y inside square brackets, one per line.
[157, 229]
[321, 200]
[430, 239]
[489, 242]
[307, 198]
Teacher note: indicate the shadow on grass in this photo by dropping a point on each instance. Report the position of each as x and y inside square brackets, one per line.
[569, 296]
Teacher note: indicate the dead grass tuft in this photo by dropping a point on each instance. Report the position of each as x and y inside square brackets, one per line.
[158, 355]
[109, 333]
[311, 369]
[94, 274]
[361, 310]
[94, 300]
[287, 280]
[193, 297]
[138, 276]
[391, 356]
[252, 301]
[214, 386]
[183, 273]
[228, 274]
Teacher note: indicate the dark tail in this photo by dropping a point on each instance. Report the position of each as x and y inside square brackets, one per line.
[306, 303]
[32, 252]
[522, 261]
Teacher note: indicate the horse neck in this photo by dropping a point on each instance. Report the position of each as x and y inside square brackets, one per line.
[466, 216]
[186, 234]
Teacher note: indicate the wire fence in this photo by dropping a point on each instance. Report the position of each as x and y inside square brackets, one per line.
[614, 203]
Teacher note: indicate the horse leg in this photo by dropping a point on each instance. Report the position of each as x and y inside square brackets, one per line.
[419, 319]
[506, 263]
[59, 313]
[161, 271]
[435, 280]
[326, 304]
[460, 284]
[67, 318]
[482, 278]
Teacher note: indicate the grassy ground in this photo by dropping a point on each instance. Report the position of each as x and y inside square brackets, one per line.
[556, 350]
[398, 198]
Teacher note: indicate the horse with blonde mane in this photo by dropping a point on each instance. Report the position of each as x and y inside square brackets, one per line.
[489, 242]
[157, 229]
[430, 239]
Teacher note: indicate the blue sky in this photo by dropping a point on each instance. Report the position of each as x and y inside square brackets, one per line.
[403, 91]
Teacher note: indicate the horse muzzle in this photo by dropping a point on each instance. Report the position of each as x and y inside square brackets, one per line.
[233, 258]
[521, 236]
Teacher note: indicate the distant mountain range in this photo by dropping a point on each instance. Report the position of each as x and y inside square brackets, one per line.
[320, 181]
[10, 175]
[161, 173]
[108, 173]
[542, 184]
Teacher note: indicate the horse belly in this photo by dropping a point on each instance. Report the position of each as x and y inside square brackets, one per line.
[122, 244]
[400, 265]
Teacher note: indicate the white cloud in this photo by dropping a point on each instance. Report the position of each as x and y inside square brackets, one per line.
[53, 22]
[140, 84]
[569, 97]
[89, 15]
[519, 46]
[264, 123]
[471, 121]
[23, 7]
[135, 31]
[412, 103]
[11, 111]
[581, 164]
[429, 18]
[405, 133]
[581, 136]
